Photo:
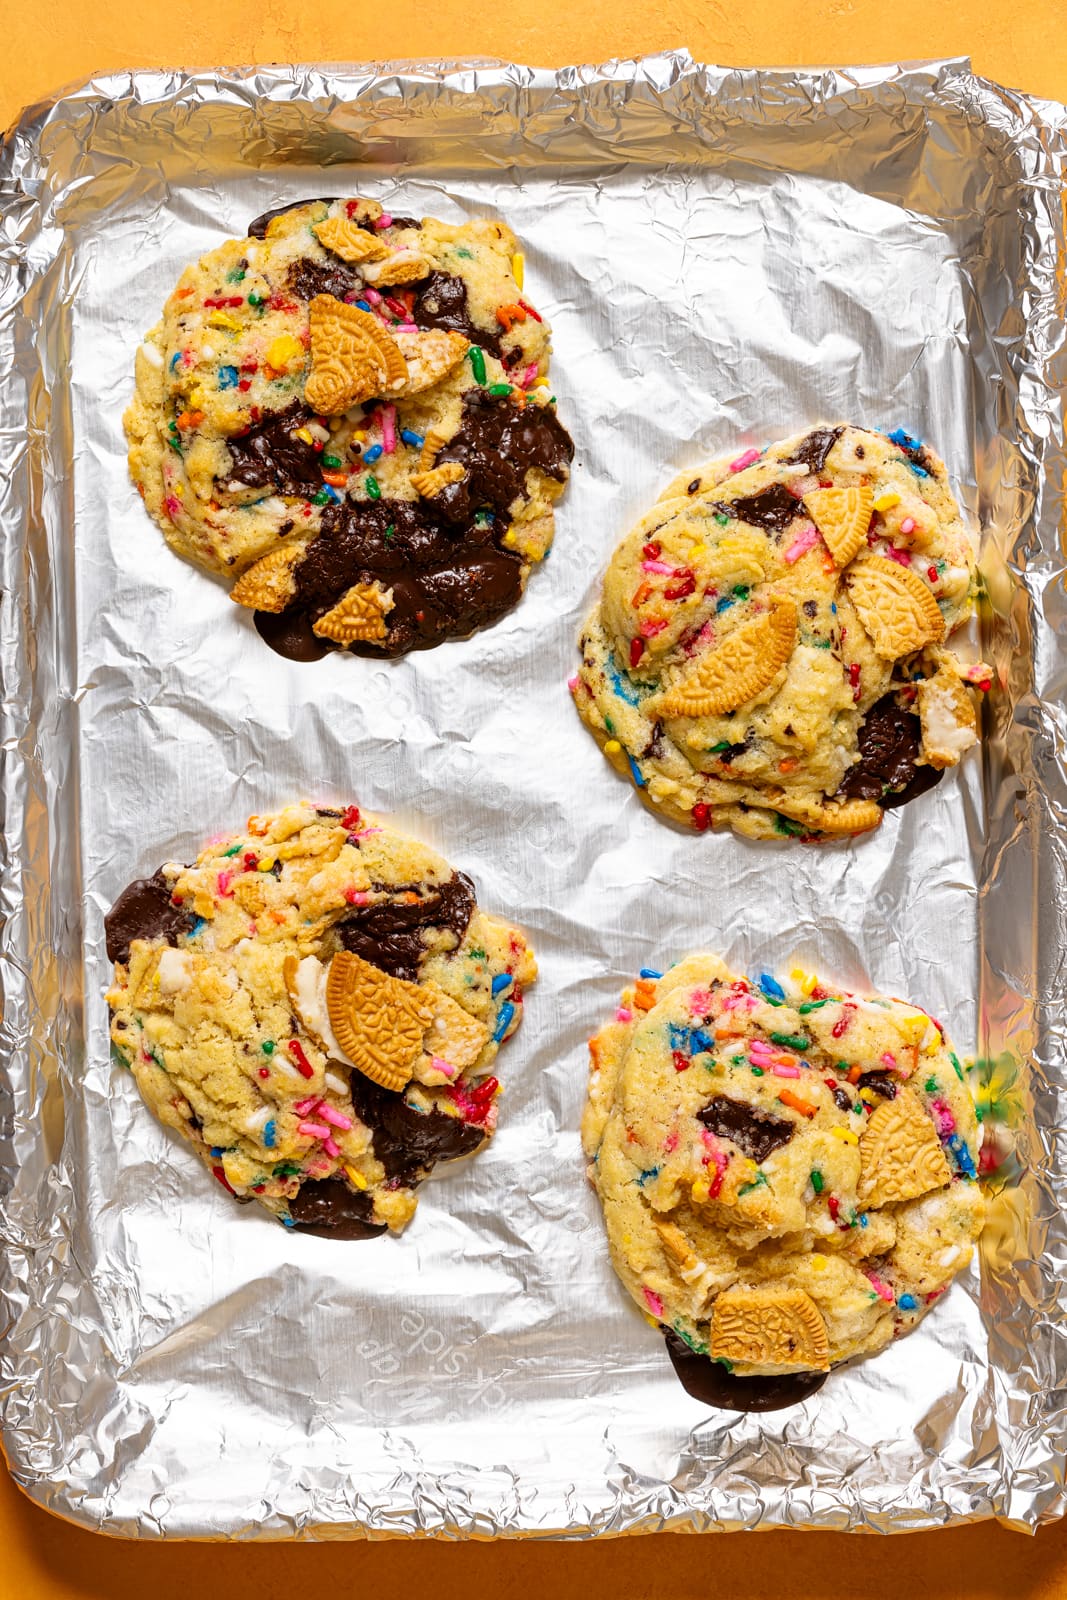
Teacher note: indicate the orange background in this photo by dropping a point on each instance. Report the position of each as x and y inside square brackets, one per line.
[1020, 42]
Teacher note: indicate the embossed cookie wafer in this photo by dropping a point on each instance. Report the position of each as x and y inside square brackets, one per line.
[787, 1169]
[369, 392]
[315, 1006]
[767, 653]
[359, 614]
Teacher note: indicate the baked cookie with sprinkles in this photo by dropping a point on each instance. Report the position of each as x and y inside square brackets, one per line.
[347, 415]
[769, 652]
[315, 1006]
[787, 1170]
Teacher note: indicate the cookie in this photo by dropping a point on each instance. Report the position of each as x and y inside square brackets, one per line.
[787, 1170]
[347, 415]
[315, 1006]
[768, 653]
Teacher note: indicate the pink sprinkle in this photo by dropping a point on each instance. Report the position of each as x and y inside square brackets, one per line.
[786, 1072]
[658, 566]
[649, 629]
[406, 327]
[365, 833]
[388, 418]
[384, 221]
[716, 1156]
[331, 1148]
[901, 557]
[624, 1014]
[946, 1122]
[888, 1060]
[908, 525]
[223, 882]
[357, 897]
[759, 1051]
[882, 1290]
[528, 375]
[371, 296]
[173, 505]
[699, 1003]
[439, 1064]
[302, 1107]
[336, 1119]
[653, 1301]
[670, 1143]
[805, 540]
[313, 1130]
[744, 461]
[572, 683]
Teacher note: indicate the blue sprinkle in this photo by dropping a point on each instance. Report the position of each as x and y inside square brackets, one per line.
[635, 770]
[863, 1220]
[625, 691]
[920, 472]
[725, 603]
[412, 438]
[198, 923]
[679, 1036]
[227, 377]
[907, 1302]
[373, 453]
[646, 1177]
[503, 980]
[963, 1156]
[903, 439]
[331, 493]
[833, 607]
[216, 1151]
[175, 358]
[363, 305]
[700, 1041]
[647, 972]
[270, 1134]
[503, 1021]
[770, 986]
[289, 1223]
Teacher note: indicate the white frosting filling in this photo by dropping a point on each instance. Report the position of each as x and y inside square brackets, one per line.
[941, 731]
[152, 354]
[311, 1003]
[175, 971]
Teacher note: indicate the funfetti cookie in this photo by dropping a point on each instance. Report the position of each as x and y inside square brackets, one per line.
[787, 1170]
[315, 1006]
[770, 653]
[347, 416]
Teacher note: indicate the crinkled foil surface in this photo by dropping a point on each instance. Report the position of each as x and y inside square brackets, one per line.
[725, 257]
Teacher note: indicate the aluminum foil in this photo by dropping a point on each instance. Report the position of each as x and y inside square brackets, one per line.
[725, 257]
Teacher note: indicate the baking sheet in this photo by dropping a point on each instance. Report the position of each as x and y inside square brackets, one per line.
[725, 257]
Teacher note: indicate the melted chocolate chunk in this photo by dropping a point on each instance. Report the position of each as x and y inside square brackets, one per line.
[268, 455]
[773, 508]
[709, 1382]
[144, 911]
[257, 228]
[497, 443]
[308, 278]
[443, 563]
[408, 1142]
[693, 486]
[329, 1208]
[753, 1131]
[813, 451]
[890, 742]
[389, 934]
[441, 302]
[881, 1082]
[842, 1099]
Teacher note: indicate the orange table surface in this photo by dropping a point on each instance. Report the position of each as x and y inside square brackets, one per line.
[1022, 43]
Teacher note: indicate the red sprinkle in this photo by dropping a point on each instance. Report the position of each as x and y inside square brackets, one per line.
[834, 1206]
[685, 586]
[216, 304]
[251, 861]
[527, 307]
[681, 1062]
[931, 573]
[651, 550]
[303, 1065]
[221, 1176]
[701, 817]
[637, 650]
[244, 385]
[350, 819]
[264, 1072]
[841, 1026]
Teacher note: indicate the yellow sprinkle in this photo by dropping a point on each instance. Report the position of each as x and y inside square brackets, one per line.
[357, 1177]
[179, 490]
[867, 1095]
[613, 747]
[700, 1191]
[818, 1263]
[886, 500]
[283, 351]
[518, 264]
[222, 319]
[303, 433]
[697, 551]
[266, 863]
[360, 434]
[845, 1135]
[511, 539]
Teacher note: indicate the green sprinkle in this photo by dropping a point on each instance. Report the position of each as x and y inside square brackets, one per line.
[257, 300]
[477, 357]
[478, 955]
[811, 1005]
[822, 644]
[723, 744]
[736, 1061]
[175, 446]
[235, 275]
[687, 1338]
[721, 519]
[233, 850]
[741, 591]
[390, 533]
[499, 388]
[465, 255]
[955, 1062]
[787, 826]
[320, 499]
[930, 1085]
[979, 1114]
[757, 1072]
[857, 1109]
[816, 1180]
[758, 1182]
[841, 1066]
[332, 461]
[287, 1169]
[374, 489]
[791, 1041]
[268, 1047]
[609, 725]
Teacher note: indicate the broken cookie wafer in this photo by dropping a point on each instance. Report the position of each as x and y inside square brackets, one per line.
[895, 606]
[454, 1035]
[771, 1328]
[268, 584]
[901, 1154]
[359, 614]
[353, 357]
[745, 663]
[349, 241]
[842, 516]
[432, 482]
[430, 356]
[378, 1020]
